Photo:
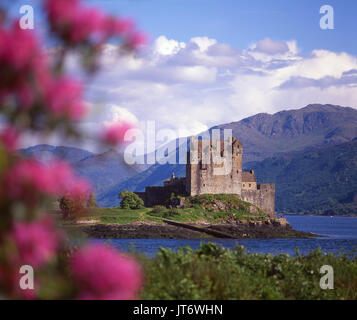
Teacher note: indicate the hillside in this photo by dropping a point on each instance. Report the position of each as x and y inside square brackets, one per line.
[266, 135]
[105, 170]
[46, 152]
[319, 181]
[102, 170]
[280, 136]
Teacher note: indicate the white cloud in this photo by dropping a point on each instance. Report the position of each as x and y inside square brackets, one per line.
[270, 47]
[195, 85]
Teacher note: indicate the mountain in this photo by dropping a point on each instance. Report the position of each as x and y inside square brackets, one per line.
[302, 150]
[45, 152]
[266, 135]
[282, 139]
[319, 181]
[322, 180]
[105, 170]
[102, 170]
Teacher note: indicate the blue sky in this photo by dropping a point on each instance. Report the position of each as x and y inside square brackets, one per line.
[240, 23]
[211, 62]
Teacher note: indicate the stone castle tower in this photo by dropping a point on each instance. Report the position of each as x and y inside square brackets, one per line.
[212, 169]
[201, 177]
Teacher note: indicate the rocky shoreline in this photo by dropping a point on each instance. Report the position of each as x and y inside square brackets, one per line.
[176, 230]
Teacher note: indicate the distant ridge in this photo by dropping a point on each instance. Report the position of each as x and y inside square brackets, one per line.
[322, 180]
[47, 152]
[281, 136]
[265, 135]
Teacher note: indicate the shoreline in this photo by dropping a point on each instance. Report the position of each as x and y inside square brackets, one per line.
[317, 215]
[145, 230]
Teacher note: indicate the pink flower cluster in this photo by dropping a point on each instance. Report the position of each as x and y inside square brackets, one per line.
[21, 62]
[101, 273]
[19, 50]
[9, 138]
[36, 242]
[28, 179]
[64, 98]
[115, 133]
[26, 75]
[76, 23]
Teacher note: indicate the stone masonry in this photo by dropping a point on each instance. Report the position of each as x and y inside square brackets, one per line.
[201, 178]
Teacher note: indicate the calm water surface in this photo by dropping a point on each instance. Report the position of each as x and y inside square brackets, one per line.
[340, 232]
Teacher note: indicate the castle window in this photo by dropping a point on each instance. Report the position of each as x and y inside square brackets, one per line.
[203, 166]
[250, 185]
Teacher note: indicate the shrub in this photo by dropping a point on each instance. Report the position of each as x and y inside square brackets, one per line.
[213, 272]
[158, 209]
[72, 207]
[91, 203]
[130, 200]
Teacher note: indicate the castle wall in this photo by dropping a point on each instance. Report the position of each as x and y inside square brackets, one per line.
[249, 185]
[263, 197]
[159, 195]
[200, 177]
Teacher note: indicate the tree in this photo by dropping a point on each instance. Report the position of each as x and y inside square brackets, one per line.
[72, 207]
[91, 203]
[130, 200]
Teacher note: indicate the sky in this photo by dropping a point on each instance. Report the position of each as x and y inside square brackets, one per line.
[211, 62]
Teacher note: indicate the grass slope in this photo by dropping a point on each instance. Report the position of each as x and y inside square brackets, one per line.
[203, 208]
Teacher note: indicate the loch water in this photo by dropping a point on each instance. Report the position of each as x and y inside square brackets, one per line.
[339, 233]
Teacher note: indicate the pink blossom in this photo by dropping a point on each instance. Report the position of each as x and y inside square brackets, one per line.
[36, 242]
[64, 99]
[102, 273]
[89, 24]
[123, 26]
[115, 133]
[62, 13]
[66, 183]
[19, 49]
[28, 180]
[25, 95]
[24, 67]
[9, 137]
[75, 22]
[137, 40]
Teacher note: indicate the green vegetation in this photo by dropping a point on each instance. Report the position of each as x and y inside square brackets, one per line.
[130, 200]
[320, 181]
[217, 273]
[117, 215]
[222, 202]
[202, 208]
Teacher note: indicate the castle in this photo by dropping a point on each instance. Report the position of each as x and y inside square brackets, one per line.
[202, 177]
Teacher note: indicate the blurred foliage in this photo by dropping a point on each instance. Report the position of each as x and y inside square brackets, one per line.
[212, 272]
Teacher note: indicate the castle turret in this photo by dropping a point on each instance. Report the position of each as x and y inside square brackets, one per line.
[211, 169]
